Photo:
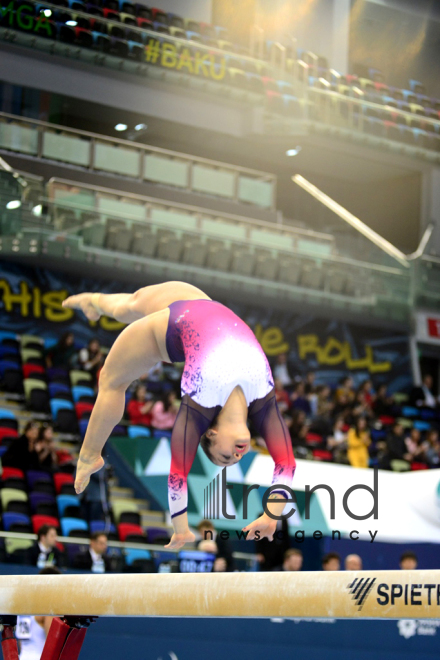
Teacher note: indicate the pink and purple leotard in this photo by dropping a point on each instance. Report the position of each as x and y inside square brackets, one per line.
[220, 351]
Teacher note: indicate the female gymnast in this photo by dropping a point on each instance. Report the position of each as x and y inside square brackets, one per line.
[226, 380]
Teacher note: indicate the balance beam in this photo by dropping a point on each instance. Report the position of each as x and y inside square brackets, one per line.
[338, 594]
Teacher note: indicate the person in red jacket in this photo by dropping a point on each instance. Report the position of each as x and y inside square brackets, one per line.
[139, 408]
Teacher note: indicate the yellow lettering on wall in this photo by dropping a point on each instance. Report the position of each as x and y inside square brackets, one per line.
[37, 303]
[201, 65]
[10, 299]
[53, 311]
[169, 56]
[185, 61]
[220, 74]
[308, 344]
[337, 352]
[334, 352]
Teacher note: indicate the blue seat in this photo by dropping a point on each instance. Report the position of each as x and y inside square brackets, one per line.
[69, 524]
[131, 554]
[101, 526]
[10, 518]
[377, 435]
[6, 414]
[64, 501]
[421, 426]
[80, 390]
[138, 431]
[410, 411]
[58, 388]
[83, 423]
[3, 450]
[424, 414]
[59, 404]
[158, 434]
[9, 364]
[4, 334]
[8, 351]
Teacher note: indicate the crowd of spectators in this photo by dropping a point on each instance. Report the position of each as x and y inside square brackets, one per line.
[361, 426]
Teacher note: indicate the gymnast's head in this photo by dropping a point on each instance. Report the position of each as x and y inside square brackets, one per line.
[225, 443]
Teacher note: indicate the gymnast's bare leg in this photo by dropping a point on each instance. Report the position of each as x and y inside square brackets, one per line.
[137, 349]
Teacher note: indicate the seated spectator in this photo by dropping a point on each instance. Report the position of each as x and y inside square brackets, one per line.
[337, 442]
[91, 359]
[322, 420]
[139, 407]
[353, 563]
[292, 561]
[22, 451]
[415, 446]
[155, 375]
[344, 392]
[220, 565]
[281, 370]
[366, 389]
[282, 396]
[408, 561]
[299, 399]
[95, 498]
[309, 383]
[396, 447]
[298, 432]
[94, 558]
[45, 448]
[207, 532]
[358, 441]
[383, 403]
[422, 395]
[164, 412]
[31, 631]
[45, 552]
[360, 407]
[432, 449]
[63, 353]
[331, 562]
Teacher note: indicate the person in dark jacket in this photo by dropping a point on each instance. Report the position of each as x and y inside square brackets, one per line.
[94, 558]
[22, 452]
[45, 552]
[271, 553]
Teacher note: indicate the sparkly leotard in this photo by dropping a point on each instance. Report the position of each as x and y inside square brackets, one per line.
[220, 351]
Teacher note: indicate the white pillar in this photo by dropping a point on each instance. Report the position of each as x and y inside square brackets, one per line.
[341, 36]
[430, 208]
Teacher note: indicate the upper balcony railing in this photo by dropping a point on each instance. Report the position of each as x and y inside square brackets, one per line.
[139, 161]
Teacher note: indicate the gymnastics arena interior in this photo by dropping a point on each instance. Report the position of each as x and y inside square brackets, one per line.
[284, 157]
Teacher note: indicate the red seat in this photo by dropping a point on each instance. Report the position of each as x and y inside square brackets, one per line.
[61, 478]
[124, 529]
[387, 421]
[9, 472]
[29, 369]
[6, 432]
[63, 456]
[314, 439]
[418, 466]
[81, 408]
[322, 455]
[39, 521]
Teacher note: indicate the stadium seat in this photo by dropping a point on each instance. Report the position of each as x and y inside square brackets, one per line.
[159, 434]
[157, 535]
[60, 479]
[69, 525]
[134, 532]
[83, 424]
[122, 505]
[102, 526]
[36, 393]
[138, 431]
[9, 519]
[83, 409]
[7, 432]
[59, 390]
[36, 498]
[78, 377]
[80, 391]
[9, 472]
[39, 521]
[65, 501]
[12, 494]
[35, 477]
[131, 517]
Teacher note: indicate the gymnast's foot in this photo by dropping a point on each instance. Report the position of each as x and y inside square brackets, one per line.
[84, 470]
[83, 301]
[179, 540]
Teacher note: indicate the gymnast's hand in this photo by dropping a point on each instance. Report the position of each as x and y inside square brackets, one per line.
[84, 469]
[262, 527]
[179, 540]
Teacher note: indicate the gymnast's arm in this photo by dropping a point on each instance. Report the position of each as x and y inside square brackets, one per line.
[191, 423]
[269, 423]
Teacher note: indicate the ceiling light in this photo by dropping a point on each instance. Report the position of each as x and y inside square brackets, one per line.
[47, 12]
[121, 127]
[293, 152]
[140, 127]
[13, 204]
[37, 210]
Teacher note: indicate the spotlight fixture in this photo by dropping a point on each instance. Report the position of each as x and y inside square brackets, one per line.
[293, 152]
[13, 204]
[121, 127]
[71, 23]
[47, 12]
[140, 127]
[37, 210]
